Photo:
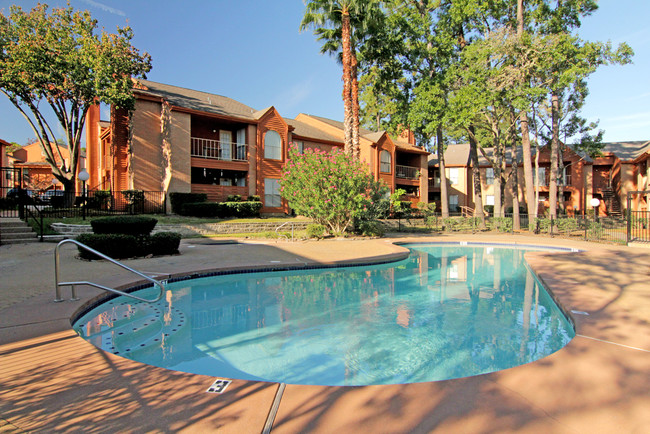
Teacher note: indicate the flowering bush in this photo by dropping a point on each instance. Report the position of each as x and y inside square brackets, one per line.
[330, 188]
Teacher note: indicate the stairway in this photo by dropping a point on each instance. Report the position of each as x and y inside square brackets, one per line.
[15, 231]
[612, 202]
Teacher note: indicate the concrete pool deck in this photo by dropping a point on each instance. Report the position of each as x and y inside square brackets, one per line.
[53, 381]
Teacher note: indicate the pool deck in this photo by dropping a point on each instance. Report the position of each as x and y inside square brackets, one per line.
[53, 381]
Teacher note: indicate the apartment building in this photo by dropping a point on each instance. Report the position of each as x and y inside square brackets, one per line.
[622, 167]
[182, 140]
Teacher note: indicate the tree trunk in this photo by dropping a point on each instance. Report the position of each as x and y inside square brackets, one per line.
[444, 194]
[354, 90]
[514, 166]
[347, 82]
[560, 175]
[476, 176]
[525, 137]
[555, 141]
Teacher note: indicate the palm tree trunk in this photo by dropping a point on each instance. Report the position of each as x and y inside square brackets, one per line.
[354, 90]
[347, 82]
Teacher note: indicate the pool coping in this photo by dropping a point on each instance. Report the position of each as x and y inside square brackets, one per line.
[506, 402]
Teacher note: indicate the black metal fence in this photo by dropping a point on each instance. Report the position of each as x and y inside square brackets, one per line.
[60, 204]
[619, 230]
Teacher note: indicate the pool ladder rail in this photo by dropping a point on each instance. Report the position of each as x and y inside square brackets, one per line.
[284, 235]
[74, 297]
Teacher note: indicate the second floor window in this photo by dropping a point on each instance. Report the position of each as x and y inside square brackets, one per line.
[452, 175]
[272, 145]
[489, 176]
[384, 162]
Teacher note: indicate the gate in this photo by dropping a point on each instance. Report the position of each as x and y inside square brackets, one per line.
[638, 221]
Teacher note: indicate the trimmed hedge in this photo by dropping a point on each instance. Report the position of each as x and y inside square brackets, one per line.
[121, 246]
[164, 243]
[117, 246]
[127, 225]
[222, 209]
[177, 200]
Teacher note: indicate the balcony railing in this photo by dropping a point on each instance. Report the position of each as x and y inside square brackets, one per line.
[407, 172]
[434, 182]
[218, 150]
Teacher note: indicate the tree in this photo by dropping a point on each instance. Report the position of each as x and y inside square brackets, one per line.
[58, 60]
[330, 188]
[341, 25]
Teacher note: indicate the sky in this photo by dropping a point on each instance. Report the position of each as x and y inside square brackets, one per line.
[252, 51]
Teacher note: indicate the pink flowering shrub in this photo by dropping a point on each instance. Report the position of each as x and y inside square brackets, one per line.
[330, 188]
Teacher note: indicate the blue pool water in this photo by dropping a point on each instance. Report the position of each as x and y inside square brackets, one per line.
[445, 312]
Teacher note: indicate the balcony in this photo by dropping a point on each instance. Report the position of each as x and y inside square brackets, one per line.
[407, 172]
[434, 182]
[217, 150]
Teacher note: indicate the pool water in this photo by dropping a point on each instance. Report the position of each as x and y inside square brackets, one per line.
[448, 311]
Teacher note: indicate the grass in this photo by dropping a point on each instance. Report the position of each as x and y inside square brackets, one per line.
[174, 219]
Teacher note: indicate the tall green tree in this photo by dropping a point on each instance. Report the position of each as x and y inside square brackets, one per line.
[58, 61]
[342, 25]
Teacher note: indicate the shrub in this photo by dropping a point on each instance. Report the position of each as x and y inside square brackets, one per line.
[128, 225]
[164, 243]
[99, 199]
[202, 209]
[254, 198]
[233, 198]
[118, 246]
[502, 224]
[332, 189]
[427, 209]
[489, 209]
[315, 231]
[243, 209]
[177, 200]
[372, 229]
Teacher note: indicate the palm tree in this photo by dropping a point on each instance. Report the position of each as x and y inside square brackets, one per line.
[340, 23]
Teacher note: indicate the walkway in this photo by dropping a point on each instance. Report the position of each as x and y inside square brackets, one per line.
[51, 380]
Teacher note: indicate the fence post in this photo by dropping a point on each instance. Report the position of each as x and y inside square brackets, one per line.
[628, 235]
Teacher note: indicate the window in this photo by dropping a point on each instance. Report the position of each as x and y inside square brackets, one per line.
[241, 145]
[384, 162]
[489, 176]
[452, 175]
[541, 175]
[566, 176]
[300, 146]
[272, 197]
[225, 139]
[453, 202]
[272, 145]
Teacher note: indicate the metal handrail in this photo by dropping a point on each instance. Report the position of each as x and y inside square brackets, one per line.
[97, 285]
[281, 226]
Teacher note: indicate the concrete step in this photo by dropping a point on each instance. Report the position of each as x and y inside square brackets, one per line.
[18, 235]
[16, 231]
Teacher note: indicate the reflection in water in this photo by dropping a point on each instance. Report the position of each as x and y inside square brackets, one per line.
[445, 312]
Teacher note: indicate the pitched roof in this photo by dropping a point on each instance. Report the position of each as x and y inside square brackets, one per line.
[374, 136]
[339, 125]
[627, 151]
[307, 131]
[456, 154]
[195, 100]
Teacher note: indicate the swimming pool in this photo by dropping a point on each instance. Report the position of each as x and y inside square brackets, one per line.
[447, 311]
